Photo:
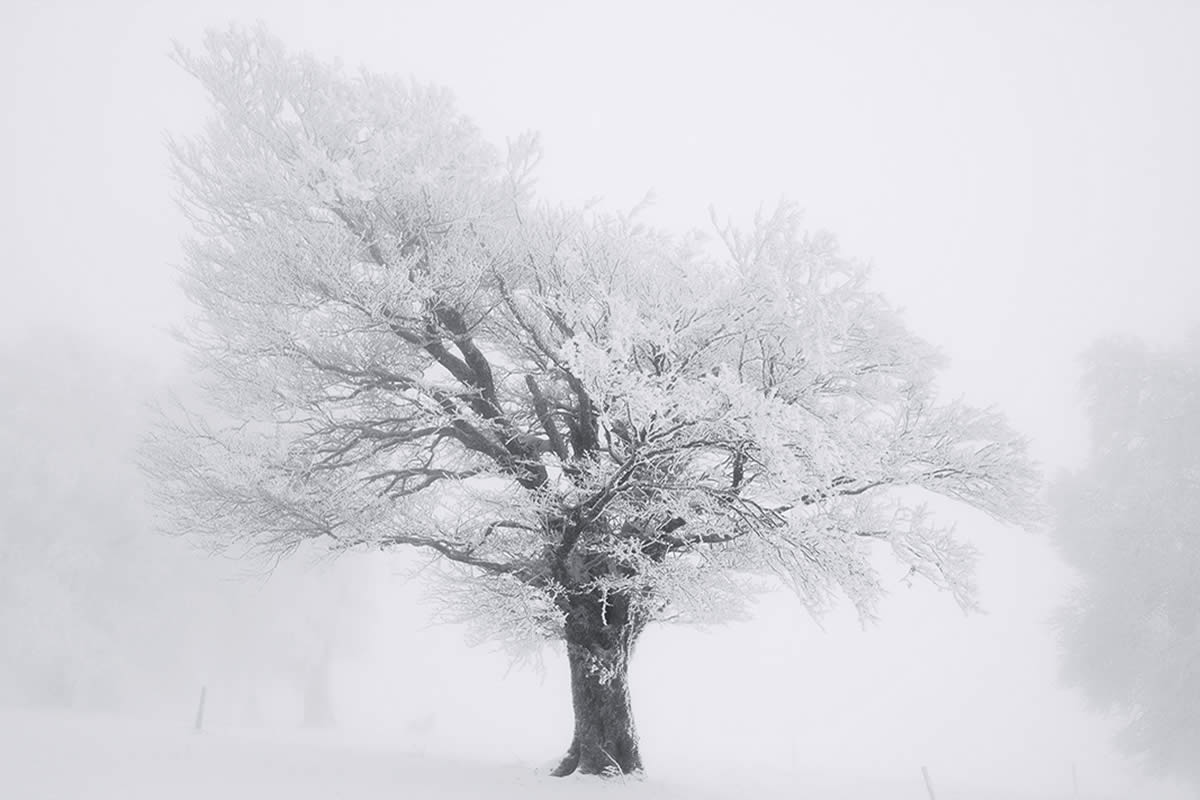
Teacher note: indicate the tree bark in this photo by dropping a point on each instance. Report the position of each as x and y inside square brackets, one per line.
[600, 634]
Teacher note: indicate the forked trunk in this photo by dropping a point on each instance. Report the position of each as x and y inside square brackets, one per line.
[600, 638]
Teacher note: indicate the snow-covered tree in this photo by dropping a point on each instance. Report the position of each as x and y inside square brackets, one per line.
[1129, 522]
[76, 558]
[97, 611]
[593, 424]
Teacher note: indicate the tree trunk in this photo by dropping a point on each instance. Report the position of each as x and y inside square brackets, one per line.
[600, 637]
[318, 699]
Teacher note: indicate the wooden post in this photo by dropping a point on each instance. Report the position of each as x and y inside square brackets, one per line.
[928, 783]
[200, 709]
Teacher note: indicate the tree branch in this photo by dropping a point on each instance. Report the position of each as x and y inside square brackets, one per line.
[542, 410]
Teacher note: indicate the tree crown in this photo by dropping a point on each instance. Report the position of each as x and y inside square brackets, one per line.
[411, 350]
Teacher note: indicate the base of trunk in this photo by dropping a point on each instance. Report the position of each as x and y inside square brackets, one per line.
[597, 760]
[605, 741]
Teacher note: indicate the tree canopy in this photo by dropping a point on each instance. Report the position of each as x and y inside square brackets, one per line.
[592, 422]
[1127, 521]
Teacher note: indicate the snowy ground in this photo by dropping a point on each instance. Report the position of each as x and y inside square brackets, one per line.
[44, 756]
[55, 756]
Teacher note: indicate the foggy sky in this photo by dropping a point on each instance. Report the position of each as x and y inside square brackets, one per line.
[1023, 176]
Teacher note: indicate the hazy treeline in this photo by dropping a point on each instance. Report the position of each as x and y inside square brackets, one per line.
[98, 611]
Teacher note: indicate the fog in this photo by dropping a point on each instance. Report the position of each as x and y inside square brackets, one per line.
[1023, 178]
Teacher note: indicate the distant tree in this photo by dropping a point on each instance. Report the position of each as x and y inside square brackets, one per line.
[75, 579]
[1129, 522]
[294, 620]
[594, 425]
[97, 611]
